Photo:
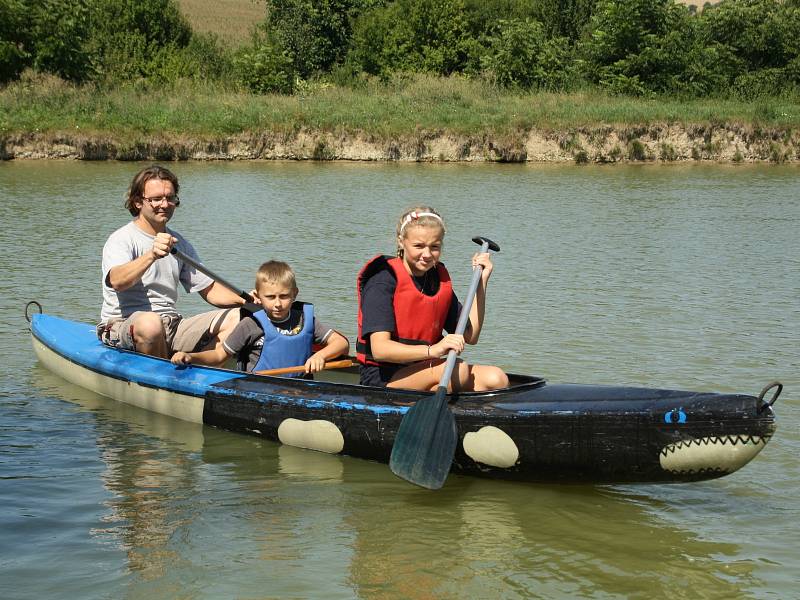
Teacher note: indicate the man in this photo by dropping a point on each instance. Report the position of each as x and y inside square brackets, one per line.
[141, 276]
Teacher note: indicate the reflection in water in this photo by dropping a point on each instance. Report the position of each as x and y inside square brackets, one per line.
[678, 276]
[144, 514]
[499, 539]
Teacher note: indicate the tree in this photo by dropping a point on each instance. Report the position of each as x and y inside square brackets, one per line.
[521, 55]
[13, 39]
[59, 29]
[315, 34]
[764, 38]
[132, 39]
[644, 47]
[414, 35]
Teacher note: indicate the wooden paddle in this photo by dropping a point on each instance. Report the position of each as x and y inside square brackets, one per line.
[334, 364]
[248, 299]
[426, 440]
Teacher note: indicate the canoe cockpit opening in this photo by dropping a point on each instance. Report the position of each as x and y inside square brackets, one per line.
[350, 376]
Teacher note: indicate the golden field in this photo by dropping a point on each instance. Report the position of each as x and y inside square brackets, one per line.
[231, 20]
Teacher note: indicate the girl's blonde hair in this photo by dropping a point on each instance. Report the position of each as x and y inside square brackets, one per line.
[418, 216]
[275, 271]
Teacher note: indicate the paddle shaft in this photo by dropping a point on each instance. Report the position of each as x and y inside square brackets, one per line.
[461, 326]
[248, 299]
[335, 364]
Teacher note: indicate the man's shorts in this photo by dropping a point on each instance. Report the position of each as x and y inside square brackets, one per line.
[184, 335]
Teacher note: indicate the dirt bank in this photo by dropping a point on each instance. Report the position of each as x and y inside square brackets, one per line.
[600, 144]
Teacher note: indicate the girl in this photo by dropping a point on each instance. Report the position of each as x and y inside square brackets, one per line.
[404, 303]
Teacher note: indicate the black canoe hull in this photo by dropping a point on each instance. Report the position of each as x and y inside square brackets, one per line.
[532, 431]
[563, 433]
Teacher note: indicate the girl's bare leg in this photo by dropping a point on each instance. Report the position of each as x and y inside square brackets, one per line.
[426, 375]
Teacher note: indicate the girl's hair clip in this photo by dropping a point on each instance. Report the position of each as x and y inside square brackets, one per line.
[414, 216]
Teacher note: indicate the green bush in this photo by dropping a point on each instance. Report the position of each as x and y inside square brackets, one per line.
[135, 39]
[520, 55]
[314, 33]
[59, 29]
[763, 33]
[764, 38]
[201, 59]
[263, 67]
[13, 56]
[560, 18]
[430, 36]
[649, 47]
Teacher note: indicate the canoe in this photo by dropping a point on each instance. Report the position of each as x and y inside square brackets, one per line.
[531, 431]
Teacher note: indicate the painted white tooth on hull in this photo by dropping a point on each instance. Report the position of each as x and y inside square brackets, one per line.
[314, 435]
[491, 446]
[726, 453]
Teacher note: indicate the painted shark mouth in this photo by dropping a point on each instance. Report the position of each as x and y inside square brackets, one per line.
[721, 454]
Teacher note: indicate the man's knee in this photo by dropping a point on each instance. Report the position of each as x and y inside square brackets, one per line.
[148, 328]
[226, 325]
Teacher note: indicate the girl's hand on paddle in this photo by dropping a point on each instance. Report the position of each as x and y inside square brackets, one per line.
[484, 260]
[449, 342]
[181, 358]
[315, 364]
[162, 244]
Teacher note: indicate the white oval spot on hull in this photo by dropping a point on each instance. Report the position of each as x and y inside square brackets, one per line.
[314, 435]
[726, 454]
[491, 446]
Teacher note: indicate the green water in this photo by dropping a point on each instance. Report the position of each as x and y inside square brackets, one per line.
[666, 276]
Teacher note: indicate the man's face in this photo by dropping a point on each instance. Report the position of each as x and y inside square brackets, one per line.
[158, 205]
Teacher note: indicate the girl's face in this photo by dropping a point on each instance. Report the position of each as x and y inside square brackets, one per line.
[422, 247]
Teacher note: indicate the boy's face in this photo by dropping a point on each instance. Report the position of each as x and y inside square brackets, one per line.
[276, 299]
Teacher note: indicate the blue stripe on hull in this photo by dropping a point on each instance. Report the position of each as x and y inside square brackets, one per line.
[78, 343]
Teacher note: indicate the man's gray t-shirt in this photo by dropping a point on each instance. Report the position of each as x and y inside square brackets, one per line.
[157, 291]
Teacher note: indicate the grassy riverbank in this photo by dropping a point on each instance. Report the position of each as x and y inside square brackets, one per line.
[394, 118]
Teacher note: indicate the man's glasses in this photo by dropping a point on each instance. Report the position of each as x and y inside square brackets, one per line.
[172, 200]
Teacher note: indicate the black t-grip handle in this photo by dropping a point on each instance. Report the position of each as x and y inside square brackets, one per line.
[480, 240]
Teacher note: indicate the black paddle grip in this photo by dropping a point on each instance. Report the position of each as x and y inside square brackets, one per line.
[492, 246]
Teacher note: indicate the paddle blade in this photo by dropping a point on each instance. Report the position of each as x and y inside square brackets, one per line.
[426, 442]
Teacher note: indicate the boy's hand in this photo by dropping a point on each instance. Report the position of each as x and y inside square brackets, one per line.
[314, 364]
[181, 358]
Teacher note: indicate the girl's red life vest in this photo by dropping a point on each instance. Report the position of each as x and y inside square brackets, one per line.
[419, 319]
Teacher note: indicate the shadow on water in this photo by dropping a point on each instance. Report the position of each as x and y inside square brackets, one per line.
[185, 499]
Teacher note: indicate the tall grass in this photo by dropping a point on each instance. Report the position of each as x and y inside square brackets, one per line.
[404, 106]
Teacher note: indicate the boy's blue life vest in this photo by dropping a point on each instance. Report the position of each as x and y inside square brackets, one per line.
[286, 350]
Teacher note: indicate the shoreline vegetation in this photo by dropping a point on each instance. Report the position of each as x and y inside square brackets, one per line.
[583, 81]
[418, 118]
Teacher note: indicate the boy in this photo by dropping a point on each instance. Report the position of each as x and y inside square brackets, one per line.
[282, 334]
